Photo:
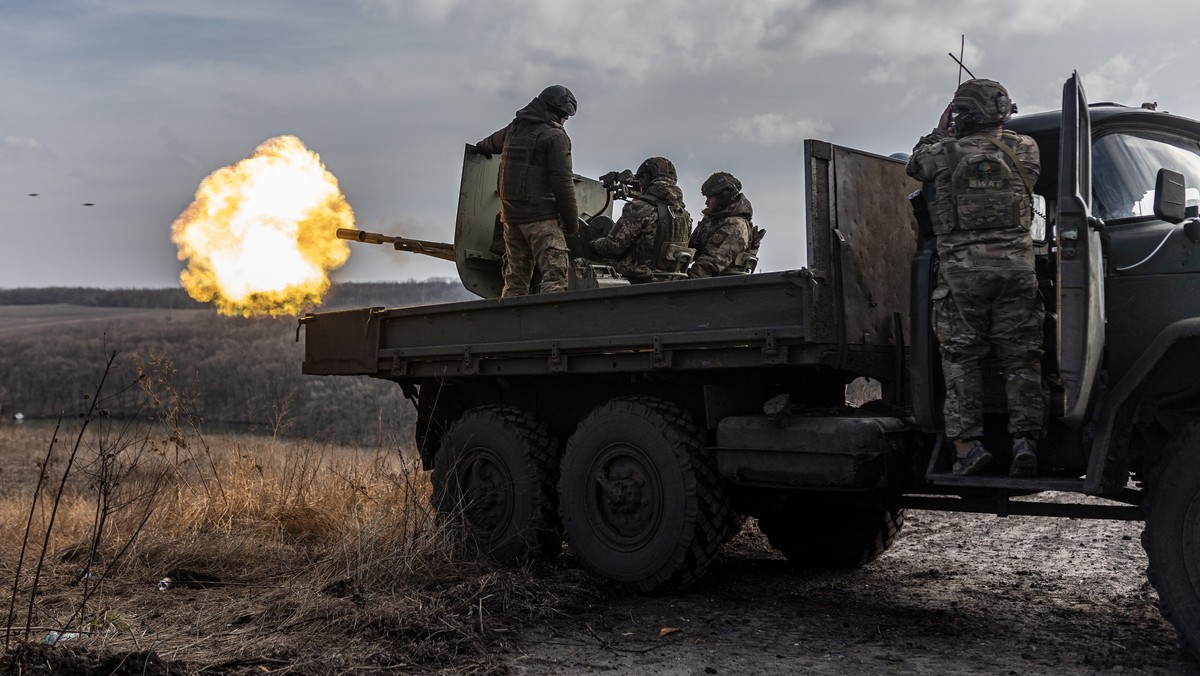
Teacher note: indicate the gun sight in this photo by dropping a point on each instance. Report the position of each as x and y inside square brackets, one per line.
[622, 184]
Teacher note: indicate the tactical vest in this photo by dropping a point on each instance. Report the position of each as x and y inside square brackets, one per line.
[672, 228]
[988, 189]
[517, 170]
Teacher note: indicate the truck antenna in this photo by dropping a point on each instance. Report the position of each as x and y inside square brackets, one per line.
[959, 59]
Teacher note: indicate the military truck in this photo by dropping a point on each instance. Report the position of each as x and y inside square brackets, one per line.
[644, 423]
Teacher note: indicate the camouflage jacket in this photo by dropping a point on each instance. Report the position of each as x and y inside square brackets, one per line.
[979, 230]
[632, 245]
[546, 187]
[720, 237]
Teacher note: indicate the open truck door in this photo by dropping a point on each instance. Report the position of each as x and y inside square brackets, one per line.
[1080, 280]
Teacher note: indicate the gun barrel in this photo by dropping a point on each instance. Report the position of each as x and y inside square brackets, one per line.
[440, 250]
[363, 236]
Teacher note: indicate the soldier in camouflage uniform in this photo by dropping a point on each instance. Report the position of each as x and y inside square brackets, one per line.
[537, 191]
[986, 300]
[725, 235]
[639, 245]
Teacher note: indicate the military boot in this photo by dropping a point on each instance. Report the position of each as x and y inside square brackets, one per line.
[970, 457]
[1024, 461]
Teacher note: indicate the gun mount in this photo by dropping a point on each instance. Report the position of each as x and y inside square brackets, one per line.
[478, 247]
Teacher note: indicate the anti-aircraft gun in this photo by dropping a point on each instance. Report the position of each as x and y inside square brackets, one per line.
[478, 247]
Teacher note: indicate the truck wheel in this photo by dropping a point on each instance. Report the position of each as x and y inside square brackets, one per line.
[821, 535]
[640, 498]
[495, 473]
[1172, 534]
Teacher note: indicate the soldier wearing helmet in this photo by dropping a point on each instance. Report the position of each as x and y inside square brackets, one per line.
[986, 300]
[725, 239]
[537, 191]
[644, 244]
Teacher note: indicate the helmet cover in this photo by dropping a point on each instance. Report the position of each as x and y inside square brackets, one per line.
[722, 185]
[559, 99]
[981, 103]
[655, 167]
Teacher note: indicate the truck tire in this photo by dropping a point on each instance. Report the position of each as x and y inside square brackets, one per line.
[495, 473]
[1172, 534]
[822, 535]
[640, 498]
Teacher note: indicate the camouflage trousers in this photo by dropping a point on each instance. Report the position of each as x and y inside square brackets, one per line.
[981, 310]
[542, 244]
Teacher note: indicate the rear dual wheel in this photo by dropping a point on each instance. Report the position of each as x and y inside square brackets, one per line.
[640, 499]
[494, 474]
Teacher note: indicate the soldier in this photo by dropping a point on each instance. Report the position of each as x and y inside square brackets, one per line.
[537, 191]
[987, 293]
[639, 245]
[725, 236]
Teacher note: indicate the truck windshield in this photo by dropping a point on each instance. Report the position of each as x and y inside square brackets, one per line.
[1125, 166]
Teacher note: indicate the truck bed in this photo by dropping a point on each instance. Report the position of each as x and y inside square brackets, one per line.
[730, 322]
[844, 311]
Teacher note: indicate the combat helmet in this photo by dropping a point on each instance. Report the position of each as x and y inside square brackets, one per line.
[981, 103]
[655, 167]
[722, 185]
[559, 99]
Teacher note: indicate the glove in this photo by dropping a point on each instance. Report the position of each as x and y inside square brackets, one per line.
[609, 180]
[480, 151]
[570, 228]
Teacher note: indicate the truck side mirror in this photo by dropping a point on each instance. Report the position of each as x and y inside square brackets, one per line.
[1170, 196]
[1191, 226]
[1192, 230]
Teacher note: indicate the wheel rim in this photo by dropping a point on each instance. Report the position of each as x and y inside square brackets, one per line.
[1191, 542]
[624, 497]
[486, 486]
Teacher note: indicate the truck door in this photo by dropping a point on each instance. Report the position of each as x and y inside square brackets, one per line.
[1080, 262]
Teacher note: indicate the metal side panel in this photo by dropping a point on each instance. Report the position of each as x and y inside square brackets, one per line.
[342, 343]
[813, 452]
[726, 310]
[475, 226]
[862, 236]
[819, 224]
[875, 241]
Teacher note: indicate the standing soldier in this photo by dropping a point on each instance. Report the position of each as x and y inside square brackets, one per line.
[641, 242]
[537, 191]
[725, 237]
[987, 293]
